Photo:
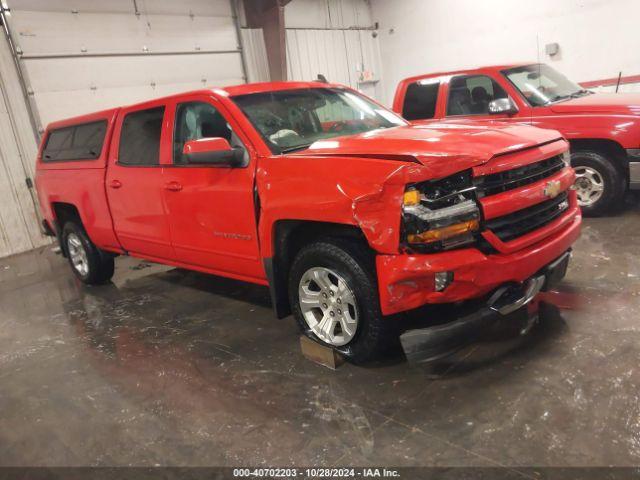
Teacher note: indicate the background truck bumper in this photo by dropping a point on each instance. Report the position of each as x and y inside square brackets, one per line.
[633, 154]
[406, 282]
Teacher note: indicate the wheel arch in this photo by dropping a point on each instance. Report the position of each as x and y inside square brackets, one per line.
[609, 148]
[288, 237]
[64, 212]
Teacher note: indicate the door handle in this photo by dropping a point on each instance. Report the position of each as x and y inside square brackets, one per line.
[173, 186]
[115, 184]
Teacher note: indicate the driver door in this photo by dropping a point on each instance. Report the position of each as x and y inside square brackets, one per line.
[212, 214]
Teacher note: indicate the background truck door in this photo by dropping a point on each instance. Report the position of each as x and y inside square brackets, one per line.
[211, 209]
[468, 96]
[135, 185]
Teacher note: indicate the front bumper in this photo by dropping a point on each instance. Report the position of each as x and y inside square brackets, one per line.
[406, 282]
[435, 342]
[432, 343]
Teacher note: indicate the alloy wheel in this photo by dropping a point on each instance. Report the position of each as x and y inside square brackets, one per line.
[589, 186]
[77, 254]
[328, 306]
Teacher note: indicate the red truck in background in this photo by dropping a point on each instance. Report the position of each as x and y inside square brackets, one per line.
[347, 212]
[603, 129]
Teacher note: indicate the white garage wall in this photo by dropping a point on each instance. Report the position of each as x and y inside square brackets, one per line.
[598, 38]
[85, 55]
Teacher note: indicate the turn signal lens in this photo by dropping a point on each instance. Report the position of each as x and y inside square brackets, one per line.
[443, 233]
[411, 197]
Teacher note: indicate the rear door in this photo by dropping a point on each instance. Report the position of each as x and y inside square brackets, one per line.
[134, 181]
[423, 101]
[212, 211]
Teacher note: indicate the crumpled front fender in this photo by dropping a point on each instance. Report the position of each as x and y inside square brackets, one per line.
[366, 193]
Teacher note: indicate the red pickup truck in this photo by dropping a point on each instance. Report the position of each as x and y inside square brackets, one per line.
[603, 129]
[348, 213]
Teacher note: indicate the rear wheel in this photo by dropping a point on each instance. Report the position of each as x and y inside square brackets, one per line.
[88, 262]
[599, 184]
[334, 297]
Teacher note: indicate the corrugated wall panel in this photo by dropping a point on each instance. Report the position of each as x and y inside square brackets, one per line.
[342, 14]
[340, 55]
[255, 55]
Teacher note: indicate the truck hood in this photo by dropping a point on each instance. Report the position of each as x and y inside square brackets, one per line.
[612, 103]
[471, 142]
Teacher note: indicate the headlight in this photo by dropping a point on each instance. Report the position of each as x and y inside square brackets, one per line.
[566, 158]
[441, 214]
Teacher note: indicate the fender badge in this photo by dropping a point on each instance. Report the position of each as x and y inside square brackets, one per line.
[552, 189]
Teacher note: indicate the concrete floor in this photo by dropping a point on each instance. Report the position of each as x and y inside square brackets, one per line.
[167, 367]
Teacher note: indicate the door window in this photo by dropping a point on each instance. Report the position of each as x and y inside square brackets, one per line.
[471, 94]
[140, 137]
[196, 120]
[420, 100]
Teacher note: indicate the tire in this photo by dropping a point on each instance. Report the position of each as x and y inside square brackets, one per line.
[599, 184]
[350, 265]
[90, 264]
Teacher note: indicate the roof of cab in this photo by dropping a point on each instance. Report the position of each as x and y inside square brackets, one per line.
[469, 70]
[249, 88]
[229, 91]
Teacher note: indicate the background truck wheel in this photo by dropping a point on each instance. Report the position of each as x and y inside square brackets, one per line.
[599, 184]
[89, 264]
[334, 297]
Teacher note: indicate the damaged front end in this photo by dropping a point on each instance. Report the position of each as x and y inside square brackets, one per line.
[440, 214]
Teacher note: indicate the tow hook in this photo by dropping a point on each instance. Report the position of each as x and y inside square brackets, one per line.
[509, 298]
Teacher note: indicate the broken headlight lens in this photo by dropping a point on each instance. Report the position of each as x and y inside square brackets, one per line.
[441, 214]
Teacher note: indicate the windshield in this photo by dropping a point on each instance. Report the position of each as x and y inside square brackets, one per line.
[292, 120]
[540, 84]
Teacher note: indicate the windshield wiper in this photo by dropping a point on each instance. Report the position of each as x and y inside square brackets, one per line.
[576, 94]
[296, 148]
[558, 98]
[581, 93]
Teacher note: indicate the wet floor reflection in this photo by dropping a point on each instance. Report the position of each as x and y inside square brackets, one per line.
[175, 368]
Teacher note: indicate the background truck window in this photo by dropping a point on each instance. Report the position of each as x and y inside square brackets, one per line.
[140, 137]
[420, 100]
[78, 142]
[471, 94]
[540, 84]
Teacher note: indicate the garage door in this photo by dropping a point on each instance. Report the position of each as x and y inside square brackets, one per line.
[19, 229]
[82, 56]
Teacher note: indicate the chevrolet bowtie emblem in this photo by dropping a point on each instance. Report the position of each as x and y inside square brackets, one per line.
[552, 188]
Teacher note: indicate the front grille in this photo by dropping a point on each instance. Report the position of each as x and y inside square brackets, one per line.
[529, 219]
[518, 177]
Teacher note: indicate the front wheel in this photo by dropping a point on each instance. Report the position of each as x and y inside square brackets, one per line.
[334, 298]
[599, 184]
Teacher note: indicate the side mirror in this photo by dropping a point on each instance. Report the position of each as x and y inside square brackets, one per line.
[502, 105]
[212, 151]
